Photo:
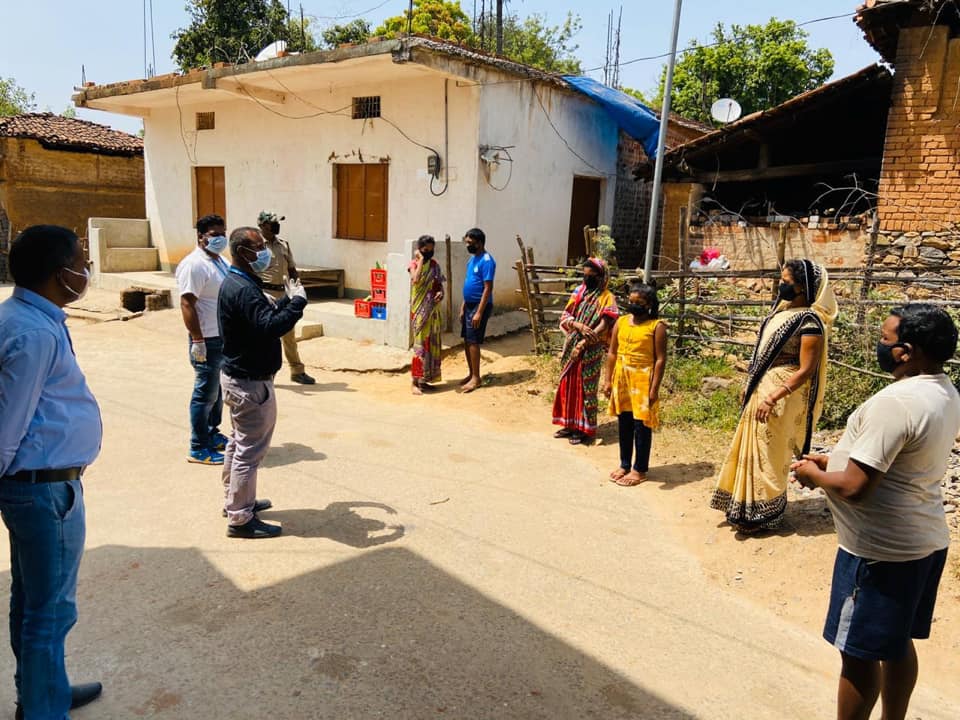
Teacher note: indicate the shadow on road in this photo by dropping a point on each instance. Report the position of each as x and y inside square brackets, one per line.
[291, 453]
[382, 634]
[314, 389]
[341, 522]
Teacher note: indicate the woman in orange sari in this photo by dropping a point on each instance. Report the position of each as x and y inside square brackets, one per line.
[587, 319]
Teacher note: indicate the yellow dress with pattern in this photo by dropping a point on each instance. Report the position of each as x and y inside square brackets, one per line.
[630, 385]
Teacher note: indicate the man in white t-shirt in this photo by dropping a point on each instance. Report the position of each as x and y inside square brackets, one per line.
[883, 487]
[199, 276]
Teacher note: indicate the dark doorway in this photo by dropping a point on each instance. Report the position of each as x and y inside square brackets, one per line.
[584, 212]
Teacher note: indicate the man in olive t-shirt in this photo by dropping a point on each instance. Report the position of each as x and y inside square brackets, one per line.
[883, 486]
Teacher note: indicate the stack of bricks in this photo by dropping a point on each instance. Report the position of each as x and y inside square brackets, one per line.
[920, 185]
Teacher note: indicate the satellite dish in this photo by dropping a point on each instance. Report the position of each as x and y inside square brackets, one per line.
[726, 110]
[271, 51]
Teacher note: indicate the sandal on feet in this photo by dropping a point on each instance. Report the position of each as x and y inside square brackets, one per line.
[618, 474]
[580, 439]
[631, 478]
[563, 433]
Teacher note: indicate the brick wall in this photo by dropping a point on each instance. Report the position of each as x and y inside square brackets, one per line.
[761, 248]
[919, 184]
[631, 205]
[66, 188]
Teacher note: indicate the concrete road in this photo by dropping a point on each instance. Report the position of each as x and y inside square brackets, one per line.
[433, 564]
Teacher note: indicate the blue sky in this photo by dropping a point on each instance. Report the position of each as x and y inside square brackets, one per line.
[47, 41]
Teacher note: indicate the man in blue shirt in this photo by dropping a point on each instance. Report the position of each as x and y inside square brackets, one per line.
[477, 303]
[50, 432]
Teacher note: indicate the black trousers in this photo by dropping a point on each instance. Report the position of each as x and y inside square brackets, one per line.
[634, 435]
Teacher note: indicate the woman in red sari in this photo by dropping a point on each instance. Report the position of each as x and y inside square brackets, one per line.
[587, 319]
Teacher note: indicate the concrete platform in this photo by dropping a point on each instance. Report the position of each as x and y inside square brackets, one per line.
[329, 318]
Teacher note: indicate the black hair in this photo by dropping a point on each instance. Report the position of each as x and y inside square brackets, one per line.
[238, 239]
[649, 293]
[476, 234]
[424, 240]
[796, 272]
[41, 251]
[207, 222]
[929, 328]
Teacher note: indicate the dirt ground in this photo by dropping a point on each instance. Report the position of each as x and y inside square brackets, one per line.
[787, 572]
[442, 556]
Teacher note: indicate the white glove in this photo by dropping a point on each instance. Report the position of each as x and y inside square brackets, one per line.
[295, 289]
[198, 351]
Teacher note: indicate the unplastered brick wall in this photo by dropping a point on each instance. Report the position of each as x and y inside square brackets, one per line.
[920, 182]
[631, 208]
[761, 247]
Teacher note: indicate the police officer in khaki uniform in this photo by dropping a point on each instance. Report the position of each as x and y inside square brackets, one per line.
[281, 267]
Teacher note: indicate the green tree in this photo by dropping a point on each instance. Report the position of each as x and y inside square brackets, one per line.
[356, 32]
[436, 18]
[636, 94]
[15, 100]
[532, 41]
[235, 31]
[760, 66]
[69, 112]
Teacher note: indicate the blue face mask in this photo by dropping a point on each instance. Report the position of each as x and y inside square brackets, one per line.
[263, 260]
[217, 244]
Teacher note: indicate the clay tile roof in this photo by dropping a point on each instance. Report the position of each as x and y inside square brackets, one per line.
[63, 133]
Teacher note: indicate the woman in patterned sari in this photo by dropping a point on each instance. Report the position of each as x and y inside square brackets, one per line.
[782, 401]
[586, 320]
[426, 292]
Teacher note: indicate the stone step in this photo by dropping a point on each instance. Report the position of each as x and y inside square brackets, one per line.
[131, 260]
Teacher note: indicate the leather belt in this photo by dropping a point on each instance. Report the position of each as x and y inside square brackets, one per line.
[45, 476]
[273, 286]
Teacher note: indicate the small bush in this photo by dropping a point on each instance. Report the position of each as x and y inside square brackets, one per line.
[685, 405]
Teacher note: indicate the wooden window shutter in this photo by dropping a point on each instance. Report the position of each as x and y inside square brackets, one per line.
[361, 201]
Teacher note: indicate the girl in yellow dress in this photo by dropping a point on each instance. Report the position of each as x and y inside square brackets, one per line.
[634, 371]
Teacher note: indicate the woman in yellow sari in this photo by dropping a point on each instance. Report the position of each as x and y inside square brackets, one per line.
[782, 401]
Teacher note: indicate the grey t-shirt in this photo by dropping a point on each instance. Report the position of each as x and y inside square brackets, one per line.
[906, 431]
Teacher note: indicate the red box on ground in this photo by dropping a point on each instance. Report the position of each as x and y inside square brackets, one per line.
[361, 308]
[379, 294]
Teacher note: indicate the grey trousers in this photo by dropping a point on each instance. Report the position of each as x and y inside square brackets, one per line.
[253, 416]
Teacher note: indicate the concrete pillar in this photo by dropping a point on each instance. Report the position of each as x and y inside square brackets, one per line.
[398, 297]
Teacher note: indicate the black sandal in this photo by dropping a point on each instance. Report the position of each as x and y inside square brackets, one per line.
[563, 433]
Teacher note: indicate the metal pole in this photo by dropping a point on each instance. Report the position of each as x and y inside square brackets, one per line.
[661, 146]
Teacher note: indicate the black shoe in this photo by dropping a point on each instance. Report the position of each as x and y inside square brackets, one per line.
[254, 530]
[303, 379]
[80, 695]
[258, 506]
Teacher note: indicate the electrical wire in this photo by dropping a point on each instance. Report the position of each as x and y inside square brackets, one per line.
[350, 16]
[486, 177]
[183, 136]
[562, 138]
[718, 43]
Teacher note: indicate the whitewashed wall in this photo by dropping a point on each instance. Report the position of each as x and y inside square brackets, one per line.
[536, 203]
[287, 166]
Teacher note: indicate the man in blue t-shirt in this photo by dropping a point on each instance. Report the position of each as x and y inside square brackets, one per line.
[477, 303]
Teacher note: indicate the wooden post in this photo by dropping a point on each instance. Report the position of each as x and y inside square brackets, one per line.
[684, 229]
[449, 295]
[525, 291]
[868, 280]
[534, 282]
[589, 241]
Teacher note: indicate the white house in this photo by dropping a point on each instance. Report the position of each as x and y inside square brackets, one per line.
[365, 148]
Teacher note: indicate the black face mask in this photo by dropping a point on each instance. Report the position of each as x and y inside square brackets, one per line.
[885, 359]
[426, 254]
[472, 249]
[787, 292]
[275, 227]
[638, 311]
[591, 281]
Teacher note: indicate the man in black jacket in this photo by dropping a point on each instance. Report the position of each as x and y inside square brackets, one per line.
[251, 325]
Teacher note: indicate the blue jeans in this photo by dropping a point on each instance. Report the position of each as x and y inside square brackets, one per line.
[206, 404]
[47, 527]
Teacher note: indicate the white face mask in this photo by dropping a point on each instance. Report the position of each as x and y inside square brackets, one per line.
[86, 283]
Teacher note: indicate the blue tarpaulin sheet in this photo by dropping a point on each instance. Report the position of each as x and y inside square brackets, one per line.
[633, 117]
